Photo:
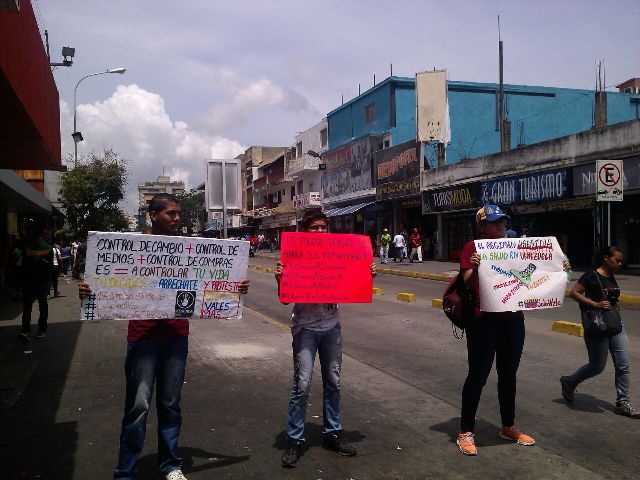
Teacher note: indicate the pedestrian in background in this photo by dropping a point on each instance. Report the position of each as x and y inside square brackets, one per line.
[385, 241]
[598, 289]
[510, 233]
[65, 252]
[416, 245]
[489, 335]
[55, 269]
[16, 272]
[315, 328]
[37, 262]
[156, 355]
[399, 245]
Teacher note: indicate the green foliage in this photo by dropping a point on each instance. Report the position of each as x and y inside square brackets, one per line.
[193, 214]
[90, 193]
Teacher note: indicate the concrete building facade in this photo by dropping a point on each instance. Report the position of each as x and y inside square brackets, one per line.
[147, 190]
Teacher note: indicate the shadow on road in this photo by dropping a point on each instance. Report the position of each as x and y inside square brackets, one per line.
[193, 460]
[587, 403]
[486, 433]
[313, 437]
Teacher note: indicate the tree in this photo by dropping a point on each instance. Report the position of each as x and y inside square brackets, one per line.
[90, 193]
[193, 215]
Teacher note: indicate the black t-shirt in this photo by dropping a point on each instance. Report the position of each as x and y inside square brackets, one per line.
[592, 288]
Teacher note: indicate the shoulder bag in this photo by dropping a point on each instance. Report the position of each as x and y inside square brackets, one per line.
[602, 322]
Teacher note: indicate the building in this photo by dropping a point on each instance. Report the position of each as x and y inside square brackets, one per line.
[147, 190]
[630, 86]
[383, 117]
[549, 188]
[30, 119]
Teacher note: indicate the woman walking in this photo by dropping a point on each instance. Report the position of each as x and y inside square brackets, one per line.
[598, 289]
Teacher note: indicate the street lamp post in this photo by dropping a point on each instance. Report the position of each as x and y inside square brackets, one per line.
[77, 136]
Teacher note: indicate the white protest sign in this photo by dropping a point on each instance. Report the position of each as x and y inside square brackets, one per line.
[520, 274]
[137, 277]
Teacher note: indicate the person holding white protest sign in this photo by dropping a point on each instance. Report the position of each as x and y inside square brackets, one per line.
[596, 291]
[156, 355]
[315, 328]
[489, 335]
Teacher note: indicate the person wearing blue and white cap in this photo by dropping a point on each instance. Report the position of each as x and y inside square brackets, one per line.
[489, 335]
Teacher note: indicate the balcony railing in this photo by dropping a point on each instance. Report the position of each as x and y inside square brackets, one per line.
[268, 180]
[303, 162]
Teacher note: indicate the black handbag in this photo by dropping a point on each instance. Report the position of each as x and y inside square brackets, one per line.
[602, 322]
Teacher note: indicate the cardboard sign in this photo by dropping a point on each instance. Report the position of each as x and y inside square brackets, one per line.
[520, 274]
[326, 268]
[138, 277]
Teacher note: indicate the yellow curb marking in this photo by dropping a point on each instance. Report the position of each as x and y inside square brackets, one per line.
[376, 291]
[406, 297]
[436, 302]
[569, 328]
[268, 270]
[259, 267]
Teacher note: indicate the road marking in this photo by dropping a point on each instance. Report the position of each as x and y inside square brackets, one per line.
[436, 302]
[570, 328]
[268, 319]
[406, 297]
[377, 291]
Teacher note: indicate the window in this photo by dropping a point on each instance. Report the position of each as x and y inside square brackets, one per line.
[323, 137]
[299, 187]
[293, 191]
[279, 197]
[298, 149]
[370, 113]
[311, 187]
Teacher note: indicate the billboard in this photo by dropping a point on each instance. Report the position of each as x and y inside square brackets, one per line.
[348, 173]
[533, 187]
[398, 171]
[223, 175]
[432, 121]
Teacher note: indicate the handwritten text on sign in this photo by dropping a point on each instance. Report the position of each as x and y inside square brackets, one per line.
[154, 276]
[520, 274]
[325, 268]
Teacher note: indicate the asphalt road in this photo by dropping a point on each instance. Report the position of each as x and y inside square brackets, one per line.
[412, 344]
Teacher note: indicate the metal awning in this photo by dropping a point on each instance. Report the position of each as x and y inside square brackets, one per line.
[334, 212]
[20, 196]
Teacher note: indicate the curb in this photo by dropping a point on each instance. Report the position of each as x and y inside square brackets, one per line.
[569, 328]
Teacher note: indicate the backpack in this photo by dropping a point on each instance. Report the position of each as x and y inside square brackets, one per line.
[457, 304]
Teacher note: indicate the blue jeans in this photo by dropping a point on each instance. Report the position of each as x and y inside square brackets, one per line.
[384, 254]
[160, 362]
[329, 347]
[598, 349]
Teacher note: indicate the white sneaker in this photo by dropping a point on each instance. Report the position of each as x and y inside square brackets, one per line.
[175, 475]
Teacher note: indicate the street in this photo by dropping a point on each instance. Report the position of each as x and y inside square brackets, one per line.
[402, 376]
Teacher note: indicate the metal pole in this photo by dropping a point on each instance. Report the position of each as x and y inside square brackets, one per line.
[224, 199]
[608, 223]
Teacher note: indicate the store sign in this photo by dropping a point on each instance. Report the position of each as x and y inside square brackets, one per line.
[397, 171]
[307, 200]
[585, 178]
[348, 172]
[534, 187]
[455, 198]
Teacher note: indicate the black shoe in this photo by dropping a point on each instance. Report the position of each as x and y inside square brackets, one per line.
[290, 457]
[338, 443]
[627, 410]
[567, 389]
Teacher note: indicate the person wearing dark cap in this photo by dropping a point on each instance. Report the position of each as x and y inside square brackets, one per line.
[489, 335]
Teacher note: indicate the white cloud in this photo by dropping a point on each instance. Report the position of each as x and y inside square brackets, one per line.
[135, 123]
[249, 97]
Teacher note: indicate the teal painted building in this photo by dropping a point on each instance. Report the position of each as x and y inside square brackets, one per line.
[536, 114]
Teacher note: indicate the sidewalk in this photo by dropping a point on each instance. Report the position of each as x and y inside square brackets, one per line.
[443, 271]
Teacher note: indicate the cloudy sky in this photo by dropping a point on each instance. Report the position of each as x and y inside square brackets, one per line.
[208, 78]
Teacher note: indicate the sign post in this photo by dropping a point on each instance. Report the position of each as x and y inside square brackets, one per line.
[222, 188]
[610, 186]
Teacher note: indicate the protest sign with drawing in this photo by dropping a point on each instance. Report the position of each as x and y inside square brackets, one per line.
[326, 268]
[520, 274]
[135, 277]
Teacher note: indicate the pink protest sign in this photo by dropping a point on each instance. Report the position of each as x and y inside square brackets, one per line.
[325, 268]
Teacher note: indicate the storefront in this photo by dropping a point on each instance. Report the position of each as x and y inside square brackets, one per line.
[624, 227]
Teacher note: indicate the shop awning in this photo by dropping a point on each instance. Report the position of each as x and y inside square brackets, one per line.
[21, 196]
[334, 212]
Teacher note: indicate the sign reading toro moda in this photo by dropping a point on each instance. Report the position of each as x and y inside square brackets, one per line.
[325, 268]
[455, 198]
[398, 171]
[534, 187]
[136, 277]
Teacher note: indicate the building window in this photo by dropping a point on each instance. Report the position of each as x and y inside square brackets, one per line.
[299, 187]
[323, 137]
[279, 197]
[298, 149]
[293, 191]
[370, 113]
[311, 187]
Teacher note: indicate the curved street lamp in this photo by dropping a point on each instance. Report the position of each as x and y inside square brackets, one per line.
[77, 136]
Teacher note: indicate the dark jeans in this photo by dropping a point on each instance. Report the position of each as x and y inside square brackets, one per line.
[161, 363]
[55, 273]
[29, 294]
[489, 336]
